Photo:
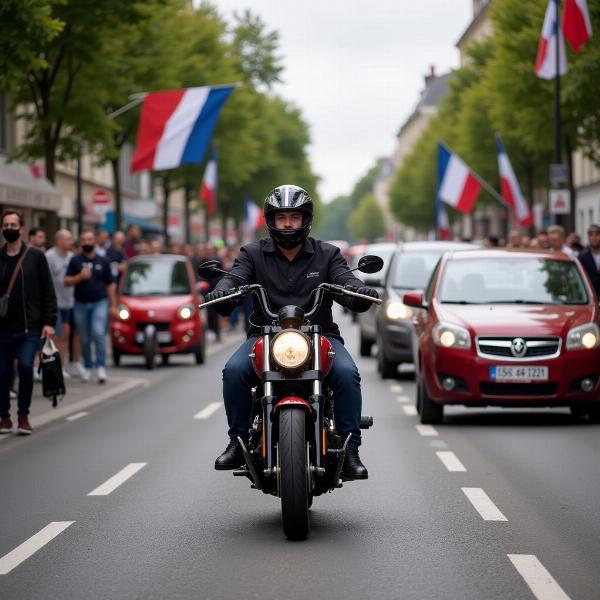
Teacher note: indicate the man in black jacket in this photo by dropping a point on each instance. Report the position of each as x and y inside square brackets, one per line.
[590, 257]
[31, 316]
[290, 266]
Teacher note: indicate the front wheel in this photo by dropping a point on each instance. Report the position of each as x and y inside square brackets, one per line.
[430, 412]
[365, 345]
[293, 472]
[150, 351]
[387, 369]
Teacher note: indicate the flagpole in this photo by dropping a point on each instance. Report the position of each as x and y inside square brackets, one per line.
[557, 115]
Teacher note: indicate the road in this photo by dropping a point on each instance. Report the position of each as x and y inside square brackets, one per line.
[124, 503]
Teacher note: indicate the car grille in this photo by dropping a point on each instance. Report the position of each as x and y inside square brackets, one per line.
[159, 326]
[491, 347]
[517, 389]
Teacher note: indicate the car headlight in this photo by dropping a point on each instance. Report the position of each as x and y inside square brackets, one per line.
[449, 335]
[584, 337]
[186, 311]
[290, 349]
[398, 310]
[123, 312]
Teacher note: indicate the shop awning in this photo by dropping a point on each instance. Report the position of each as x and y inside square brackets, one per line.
[127, 219]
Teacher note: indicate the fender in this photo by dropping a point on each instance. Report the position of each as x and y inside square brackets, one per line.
[293, 400]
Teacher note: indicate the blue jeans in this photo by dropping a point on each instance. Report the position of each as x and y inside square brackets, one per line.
[91, 319]
[22, 347]
[344, 379]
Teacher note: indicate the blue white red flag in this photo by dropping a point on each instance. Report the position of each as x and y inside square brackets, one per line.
[511, 190]
[576, 24]
[176, 127]
[208, 188]
[545, 63]
[457, 184]
[254, 217]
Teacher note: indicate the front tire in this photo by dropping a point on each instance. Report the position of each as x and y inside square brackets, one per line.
[293, 473]
[116, 356]
[150, 352]
[200, 351]
[365, 345]
[387, 369]
[430, 412]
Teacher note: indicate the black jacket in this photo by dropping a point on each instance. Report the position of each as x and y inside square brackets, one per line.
[33, 292]
[291, 282]
[589, 264]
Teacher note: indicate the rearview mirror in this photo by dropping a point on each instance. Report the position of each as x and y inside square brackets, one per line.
[211, 269]
[370, 264]
[414, 299]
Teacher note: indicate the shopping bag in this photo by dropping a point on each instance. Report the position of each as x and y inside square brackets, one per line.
[53, 383]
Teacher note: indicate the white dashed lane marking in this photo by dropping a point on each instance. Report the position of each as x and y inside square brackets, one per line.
[426, 430]
[403, 399]
[209, 410]
[451, 461]
[29, 547]
[110, 485]
[396, 388]
[76, 416]
[483, 504]
[411, 411]
[539, 580]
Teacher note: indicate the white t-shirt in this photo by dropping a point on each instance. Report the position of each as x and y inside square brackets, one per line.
[58, 269]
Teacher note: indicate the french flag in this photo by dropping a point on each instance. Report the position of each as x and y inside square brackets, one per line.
[254, 217]
[576, 24]
[176, 127]
[442, 222]
[511, 191]
[545, 64]
[208, 188]
[457, 184]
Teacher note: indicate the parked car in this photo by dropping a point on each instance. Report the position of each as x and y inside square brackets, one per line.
[158, 313]
[507, 328]
[409, 270]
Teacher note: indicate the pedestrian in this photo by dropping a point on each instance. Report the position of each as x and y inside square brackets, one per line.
[30, 316]
[115, 255]
[102, 242]
[515, 239]
[37, 237]
[590, 257]
[58, 259]
[133, 236]
[95, 292]
[556, 240]
[574, 242]
[542, 240]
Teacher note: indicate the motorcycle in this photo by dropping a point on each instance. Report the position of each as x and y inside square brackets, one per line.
[293, 450]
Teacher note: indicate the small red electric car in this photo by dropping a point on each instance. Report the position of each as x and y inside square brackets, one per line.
[507, 328]
[158, 311]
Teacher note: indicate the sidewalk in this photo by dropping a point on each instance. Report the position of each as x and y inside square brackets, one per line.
[82, 396]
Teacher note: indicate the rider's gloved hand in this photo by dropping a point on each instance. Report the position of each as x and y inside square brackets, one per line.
[366, 291]
[216, 294]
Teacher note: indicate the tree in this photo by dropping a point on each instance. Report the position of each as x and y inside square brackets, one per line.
[367, 222]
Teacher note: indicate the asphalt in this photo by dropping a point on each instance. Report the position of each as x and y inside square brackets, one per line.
[178, 529]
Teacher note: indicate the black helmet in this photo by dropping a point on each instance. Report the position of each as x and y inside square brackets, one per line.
[292, 198]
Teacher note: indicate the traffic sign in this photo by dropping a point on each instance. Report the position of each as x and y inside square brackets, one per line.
[559, 174]
[101, 197]
[559, 202]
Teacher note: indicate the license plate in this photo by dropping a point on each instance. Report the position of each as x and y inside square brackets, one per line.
[163, 337]
[520, 374]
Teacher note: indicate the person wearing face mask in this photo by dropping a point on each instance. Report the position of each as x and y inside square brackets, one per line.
[30, 316]
[92, 278]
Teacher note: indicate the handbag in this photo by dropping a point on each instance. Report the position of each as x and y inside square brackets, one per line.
[5, 297]
[53, 383]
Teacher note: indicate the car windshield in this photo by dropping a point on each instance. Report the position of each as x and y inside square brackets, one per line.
[412, 270]
[157, 278]
[512, 281]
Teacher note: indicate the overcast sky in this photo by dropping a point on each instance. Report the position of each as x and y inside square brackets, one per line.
[355, 68]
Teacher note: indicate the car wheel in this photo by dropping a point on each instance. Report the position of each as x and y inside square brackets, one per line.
[200, 352]
[431, 412]
[116, 356]
[164, 358]
[594, 414]
[387, 369]
[365, 345]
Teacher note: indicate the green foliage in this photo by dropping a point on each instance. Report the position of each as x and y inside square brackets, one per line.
[366, 221]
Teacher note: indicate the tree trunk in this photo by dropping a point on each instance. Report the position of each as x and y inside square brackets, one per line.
[186, 213]
[117, 188]
[49, 156]
[570, 218]
[166, 185]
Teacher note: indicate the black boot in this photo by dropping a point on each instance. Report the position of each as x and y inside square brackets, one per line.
[353, 467]
[232, 457]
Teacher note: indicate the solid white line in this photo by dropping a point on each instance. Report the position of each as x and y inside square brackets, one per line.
[110, 485]
[209, 410]
[76, 416]
[484, 505]
[426, 430]
[450, 461]
[410, 410]
[403, 399]
[539, 580]
[29, 547]
[395, 388]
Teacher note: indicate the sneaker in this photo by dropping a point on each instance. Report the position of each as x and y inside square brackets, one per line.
[80, 370]
[12, 395]
[24, 427]
[37, 376]
[85, 375]
[101, 375]
[66, 374]
[6, 425]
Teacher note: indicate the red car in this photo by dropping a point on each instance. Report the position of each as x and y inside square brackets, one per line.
[507, 328]
[158, 311]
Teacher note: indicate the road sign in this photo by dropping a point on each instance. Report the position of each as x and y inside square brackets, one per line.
[559, 175]
[559, 202]
[101, 197]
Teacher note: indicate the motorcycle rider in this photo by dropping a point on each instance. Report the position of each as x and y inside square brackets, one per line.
[290, 265]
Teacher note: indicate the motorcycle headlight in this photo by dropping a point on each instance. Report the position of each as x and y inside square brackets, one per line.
[186, 311]
[449, 335]
[290, 349]
[584, 337]
[398, 310]
[123, 312]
